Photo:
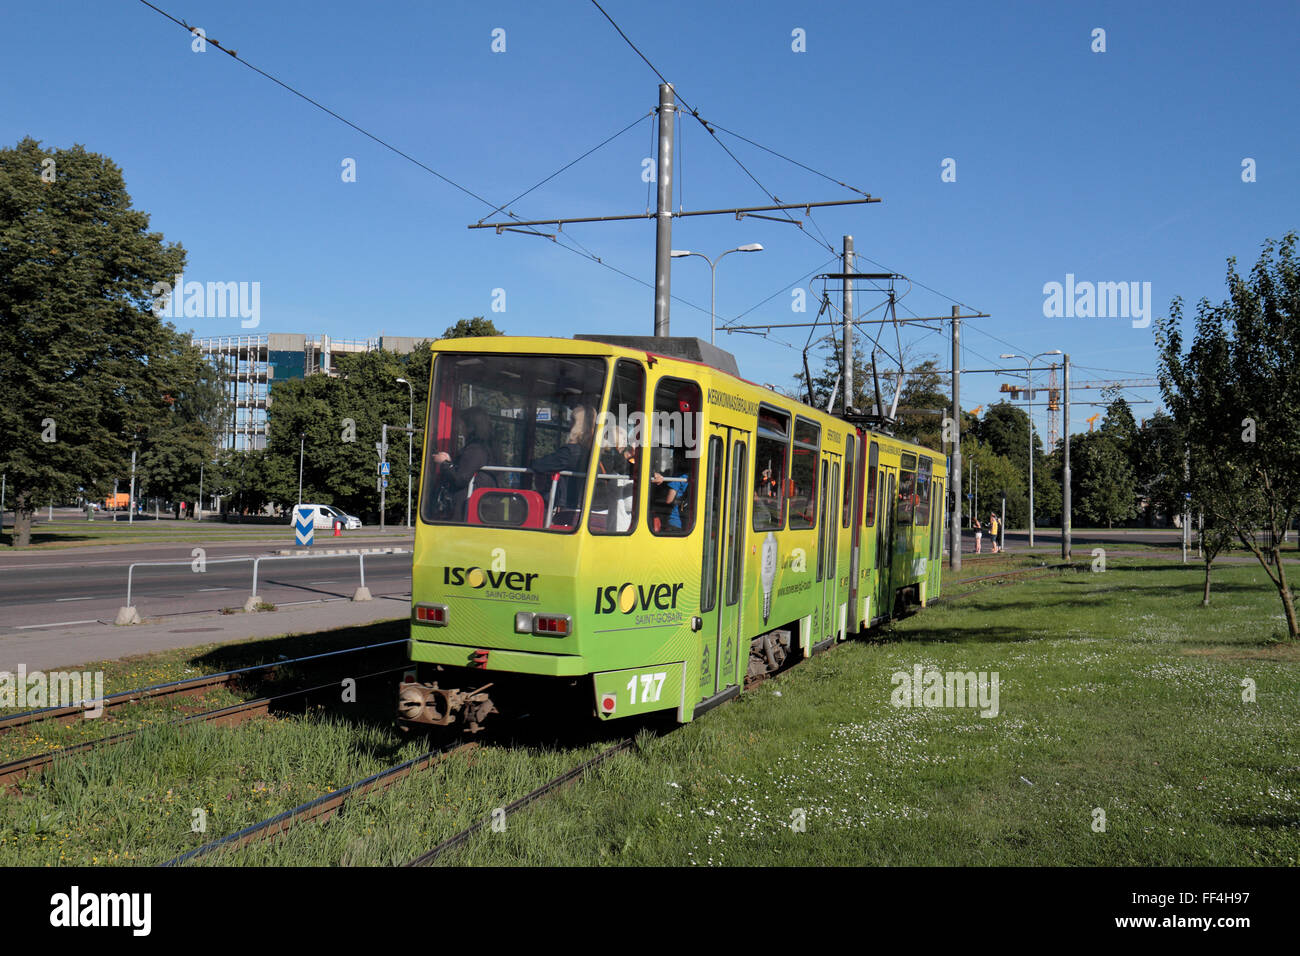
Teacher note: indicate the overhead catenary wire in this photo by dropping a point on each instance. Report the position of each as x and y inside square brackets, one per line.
[504, 207]
[695, 113]
[562, 240]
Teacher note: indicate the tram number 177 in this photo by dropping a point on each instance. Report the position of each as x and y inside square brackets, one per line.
[651, 687]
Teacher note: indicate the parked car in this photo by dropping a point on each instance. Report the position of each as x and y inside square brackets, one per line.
[325, 515]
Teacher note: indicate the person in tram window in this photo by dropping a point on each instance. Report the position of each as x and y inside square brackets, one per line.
[667, 503]
[455, 475]
[571, 456]
[616, 493]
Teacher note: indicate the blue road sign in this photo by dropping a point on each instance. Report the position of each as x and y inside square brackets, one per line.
[304, 526]
[385, 482]
[385, 468]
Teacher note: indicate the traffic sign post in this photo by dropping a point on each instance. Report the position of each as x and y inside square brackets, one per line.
[304, 526]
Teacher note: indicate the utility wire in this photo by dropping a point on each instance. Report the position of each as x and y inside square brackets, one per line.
[695, 113]
[505, 206]
[411, 159]
[796, 162]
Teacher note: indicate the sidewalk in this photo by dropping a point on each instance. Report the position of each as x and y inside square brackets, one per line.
[94, 642]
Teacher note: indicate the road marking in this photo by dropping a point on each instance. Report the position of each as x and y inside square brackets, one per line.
[61, 600]
[310, 583]
[317, 601]
[28, 627]
[216, 589]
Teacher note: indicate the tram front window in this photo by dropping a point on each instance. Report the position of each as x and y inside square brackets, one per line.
[510, 439]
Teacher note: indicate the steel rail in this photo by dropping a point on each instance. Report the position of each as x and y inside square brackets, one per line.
[230, 716]
[324, 806]
[172, 688]
[567, 777]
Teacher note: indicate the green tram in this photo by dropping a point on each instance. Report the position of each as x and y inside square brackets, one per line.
[645, 530]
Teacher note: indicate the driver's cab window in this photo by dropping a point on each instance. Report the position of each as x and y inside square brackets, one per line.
[511, 439]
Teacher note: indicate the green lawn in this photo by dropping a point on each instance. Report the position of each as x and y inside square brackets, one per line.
[1118, 693]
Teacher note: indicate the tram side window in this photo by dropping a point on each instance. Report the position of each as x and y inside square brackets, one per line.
[674, 457]
[614, 498]
[769, 469]
[922, 504]
[906, 491]
[850, 474]
[873, 463]
[803, 475]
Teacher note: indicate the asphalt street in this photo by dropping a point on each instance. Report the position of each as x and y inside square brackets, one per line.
[52, 589]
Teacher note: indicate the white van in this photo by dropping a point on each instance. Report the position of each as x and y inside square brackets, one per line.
[325, 515]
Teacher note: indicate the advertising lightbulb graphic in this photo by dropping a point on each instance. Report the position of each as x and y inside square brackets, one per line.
[768, 574]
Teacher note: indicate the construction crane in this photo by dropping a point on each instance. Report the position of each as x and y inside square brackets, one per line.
[1092, 420]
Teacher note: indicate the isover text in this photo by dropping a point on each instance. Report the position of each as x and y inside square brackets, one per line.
[481, 577]
[630, 597]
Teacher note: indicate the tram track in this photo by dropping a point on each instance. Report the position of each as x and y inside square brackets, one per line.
[191, 687]
[324, 807]
[230, 716]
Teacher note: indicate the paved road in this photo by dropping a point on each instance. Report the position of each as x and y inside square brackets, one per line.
[53, 590]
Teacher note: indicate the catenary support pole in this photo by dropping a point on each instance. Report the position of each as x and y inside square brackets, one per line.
[846, 373]
[664, 210]
[954, 480]
[1065, 469]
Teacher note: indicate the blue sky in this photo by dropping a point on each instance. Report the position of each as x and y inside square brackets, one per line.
[1122, 166]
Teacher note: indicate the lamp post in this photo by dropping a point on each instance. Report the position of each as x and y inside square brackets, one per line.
[713, 269]
[410, 432]
[1029, 407]
[302, 439]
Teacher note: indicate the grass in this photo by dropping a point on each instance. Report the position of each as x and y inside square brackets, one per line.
[1118, 694]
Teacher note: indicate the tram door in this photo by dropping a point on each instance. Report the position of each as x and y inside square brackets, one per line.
[826, 623]
[886, 491]
[726, 498]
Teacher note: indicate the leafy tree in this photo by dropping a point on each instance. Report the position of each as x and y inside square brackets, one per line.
[997, 474]
[1158, 464]
[1103, 480]
[476, 327]
[922, 406]
[180, 449]
[1236, 392]
[83, 359]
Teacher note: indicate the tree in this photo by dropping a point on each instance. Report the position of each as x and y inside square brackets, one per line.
[471, 328]
[83, 358]
[1236, 392]
[922, 406]
[178, 451]
[1104, 482]
[1158, 464]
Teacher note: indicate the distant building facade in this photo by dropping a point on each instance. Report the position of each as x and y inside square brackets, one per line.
[252, 364]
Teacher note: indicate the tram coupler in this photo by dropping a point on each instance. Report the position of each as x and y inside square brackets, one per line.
[435, 706]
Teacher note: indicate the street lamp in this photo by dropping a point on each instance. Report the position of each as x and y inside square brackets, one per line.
[410, 433]
[302, 438]
[1029, 398]
[713, 268]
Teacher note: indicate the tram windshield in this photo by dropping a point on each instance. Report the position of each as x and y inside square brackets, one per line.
[510, 439]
